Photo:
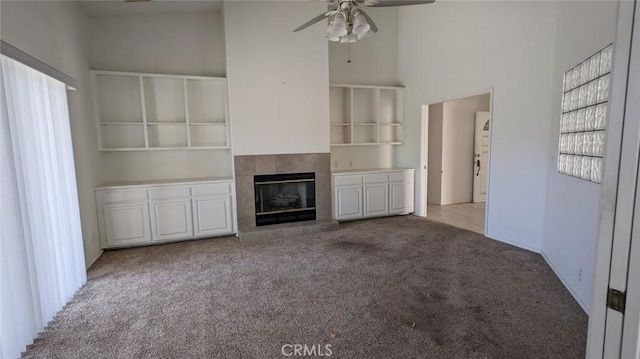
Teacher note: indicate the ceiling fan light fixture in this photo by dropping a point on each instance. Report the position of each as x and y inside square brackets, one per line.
[371, 2]
[330, 37]
[338, 27]
[365, 35]
[360, 24]
[348, 39]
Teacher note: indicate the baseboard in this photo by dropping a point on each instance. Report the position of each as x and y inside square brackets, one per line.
[515, 244]
[94, 259]
[571, 290]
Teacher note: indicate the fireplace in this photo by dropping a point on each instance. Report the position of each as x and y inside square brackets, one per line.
[283, 198]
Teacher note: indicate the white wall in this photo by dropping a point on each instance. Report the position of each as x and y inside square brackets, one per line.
[572, 205]
[434, 163]
[278, 79]
[458, 148]
[449, 50]
[185, 44]
[374, 60]
[56, 33]
[361, 157]
[169, 164]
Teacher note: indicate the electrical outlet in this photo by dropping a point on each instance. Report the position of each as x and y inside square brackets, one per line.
[580, 275]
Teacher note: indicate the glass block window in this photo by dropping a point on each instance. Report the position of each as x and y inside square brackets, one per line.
[584, 117]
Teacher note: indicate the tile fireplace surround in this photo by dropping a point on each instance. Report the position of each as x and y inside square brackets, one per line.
[248, 166]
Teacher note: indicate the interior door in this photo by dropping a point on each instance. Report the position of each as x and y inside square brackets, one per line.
[614, 317]
[622, 328]
[481, 156]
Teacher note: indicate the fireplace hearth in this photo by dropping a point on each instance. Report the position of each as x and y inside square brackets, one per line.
[284, 198]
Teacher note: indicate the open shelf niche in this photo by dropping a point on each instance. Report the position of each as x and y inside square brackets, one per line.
[142, 112]
[369, 118]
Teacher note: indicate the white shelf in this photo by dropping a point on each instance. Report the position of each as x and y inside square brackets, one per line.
[121, 123]
[167, 123]
[362, 115]
[124, 149]
[140, 111]
[207, 124]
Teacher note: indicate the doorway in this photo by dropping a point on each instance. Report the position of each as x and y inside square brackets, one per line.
[457, 134]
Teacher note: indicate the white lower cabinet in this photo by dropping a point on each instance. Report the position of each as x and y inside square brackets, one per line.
[171, 219]
[401, 197]
[212, 216]
[130, 215]
[126, 223]
[375, 193]
[376, 199]
[348, 201]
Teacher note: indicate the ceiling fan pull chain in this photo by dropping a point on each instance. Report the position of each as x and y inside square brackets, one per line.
[349, 53]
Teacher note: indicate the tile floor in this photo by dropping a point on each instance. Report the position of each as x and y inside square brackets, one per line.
[469, 216]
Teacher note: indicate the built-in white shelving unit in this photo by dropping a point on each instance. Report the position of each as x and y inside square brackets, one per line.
[140, 111]
[366, 115]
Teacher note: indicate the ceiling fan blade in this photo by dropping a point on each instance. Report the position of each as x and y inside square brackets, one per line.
[372, 24]
[388, 3]
[312, 21]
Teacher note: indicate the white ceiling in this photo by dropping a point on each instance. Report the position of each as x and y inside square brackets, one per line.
[121, 7]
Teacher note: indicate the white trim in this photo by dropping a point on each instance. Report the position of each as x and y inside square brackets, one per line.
[566, 284]
[367, 86]
[423, 171]
[488, 90]
[15, 53]
[491, 126]
[515, 244]
[146, 74]
[94, 259]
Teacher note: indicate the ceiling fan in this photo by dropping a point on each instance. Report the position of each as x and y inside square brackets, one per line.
[350, 23]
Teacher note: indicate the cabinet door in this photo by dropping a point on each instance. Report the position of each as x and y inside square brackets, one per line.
[126, 223]
[171, 219]
[348, 202]
[401, 197]
[376, 199]
[212, 215]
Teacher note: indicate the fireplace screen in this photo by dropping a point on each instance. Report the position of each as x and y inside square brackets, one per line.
[285, 198]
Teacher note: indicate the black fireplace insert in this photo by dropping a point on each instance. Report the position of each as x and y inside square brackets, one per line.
[283, 198]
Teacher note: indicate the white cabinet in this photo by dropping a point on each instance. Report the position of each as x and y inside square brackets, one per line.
[376, 199]
[366, 115]
[140, 214]
[348, 200]
[171, 219]
[374, 193]
[401, 192]
[212, 215]
[213, 212]
[140, 111]
[401, 197]
[126, 224]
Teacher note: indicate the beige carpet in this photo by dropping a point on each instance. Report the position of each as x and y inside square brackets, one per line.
[400, 287]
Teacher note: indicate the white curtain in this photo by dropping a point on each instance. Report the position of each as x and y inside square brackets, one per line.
[41, 254]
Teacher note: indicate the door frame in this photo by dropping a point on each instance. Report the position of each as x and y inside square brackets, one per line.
[620, 175]
[424, 150]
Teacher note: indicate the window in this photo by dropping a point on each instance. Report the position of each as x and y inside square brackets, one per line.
[584, 117]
